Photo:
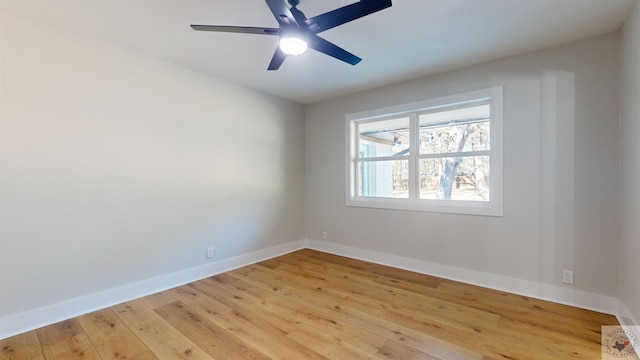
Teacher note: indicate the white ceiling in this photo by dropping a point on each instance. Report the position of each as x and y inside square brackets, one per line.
[412, 38]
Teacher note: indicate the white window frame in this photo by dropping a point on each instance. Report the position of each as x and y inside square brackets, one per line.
[493, 207]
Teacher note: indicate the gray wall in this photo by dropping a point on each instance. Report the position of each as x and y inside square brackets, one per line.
[561, 154]
[630, 164]
[118, 168]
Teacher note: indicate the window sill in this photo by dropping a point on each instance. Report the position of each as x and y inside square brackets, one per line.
[490, 208]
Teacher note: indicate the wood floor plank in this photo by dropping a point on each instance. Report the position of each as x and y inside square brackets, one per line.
[314, 305]
[147, 355]
[489, 340]
[253, 272]
[377, 269]
[71, 348]
[396, 350]
[575, 342]
[267, 340]
[478, 340]
[275, 280]
[165, 341]
[503, 302]
[359, 316]
[111, 338]
[158, 299]
[570, 332]
[406, 284]
[198, 301]
[223, 278]
[408, 301]
[430, 326]
[213, 339]
[309, 319]
[22, 347]
[59, 331]
[66, 340]
[301, 314]
[255, 310]
[329, 345]
[271, 263]
[435, 346]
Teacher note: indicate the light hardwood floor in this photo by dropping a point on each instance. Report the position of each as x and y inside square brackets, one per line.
[313, 305]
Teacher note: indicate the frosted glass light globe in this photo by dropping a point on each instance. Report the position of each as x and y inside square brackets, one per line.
[293, 45]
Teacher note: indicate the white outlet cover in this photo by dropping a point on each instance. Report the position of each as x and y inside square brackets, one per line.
[567, 277]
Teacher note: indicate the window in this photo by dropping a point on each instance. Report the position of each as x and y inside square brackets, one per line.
[441, 155]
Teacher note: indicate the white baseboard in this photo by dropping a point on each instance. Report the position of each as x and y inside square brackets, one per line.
[558, 294]
[629, 323]
[34, 319]
[625, 317]
[37, 318]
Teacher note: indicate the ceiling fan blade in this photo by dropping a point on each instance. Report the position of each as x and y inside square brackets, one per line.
[237, 29]
[277, 60]
[345, 14]
[282, 13]
[319, 44]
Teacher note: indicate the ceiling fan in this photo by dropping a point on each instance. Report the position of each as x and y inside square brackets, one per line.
[297, 32]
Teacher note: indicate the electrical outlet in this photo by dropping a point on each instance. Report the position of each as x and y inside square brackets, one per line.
[567, 277]
[324, 235]
[209, 252]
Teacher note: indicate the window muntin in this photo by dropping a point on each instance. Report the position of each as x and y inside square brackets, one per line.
[442, 155]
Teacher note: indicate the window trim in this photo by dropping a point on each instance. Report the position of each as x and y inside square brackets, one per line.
[493, 207]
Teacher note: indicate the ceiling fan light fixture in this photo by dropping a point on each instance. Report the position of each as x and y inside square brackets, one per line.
[293, 45]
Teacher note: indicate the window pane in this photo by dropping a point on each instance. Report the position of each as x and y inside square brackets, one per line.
[465, 178]
[460, 130]
[389, 179]
[384, 138]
